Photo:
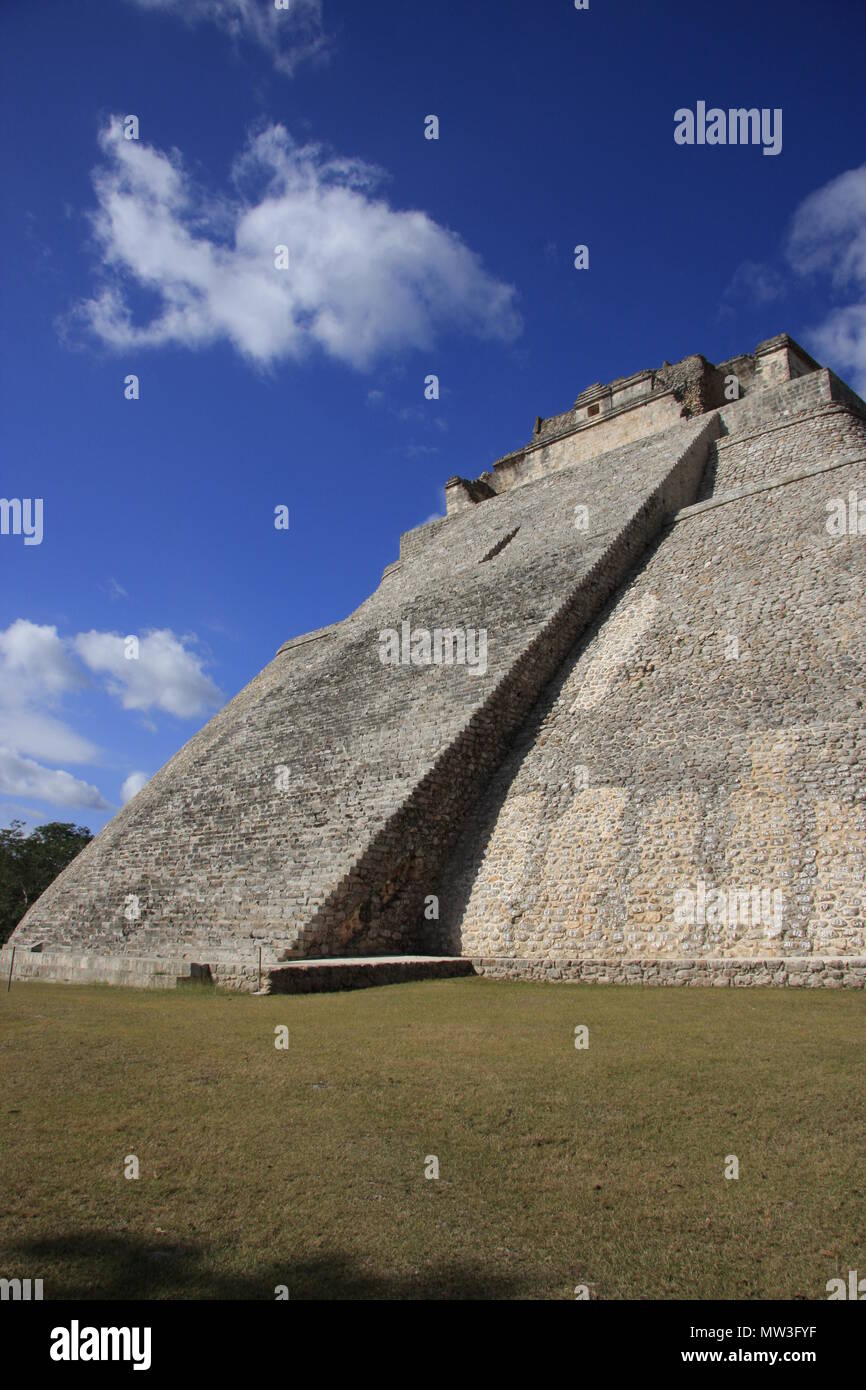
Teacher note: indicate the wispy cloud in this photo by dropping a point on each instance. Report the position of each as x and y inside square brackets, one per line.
[115, 590]
[39, 670]
[825, 243]
[291, 34]
[828, 237]
[424, 416]
[363, 280]
[165, 675]
[23, 777]
[753, 284]
[36, 670]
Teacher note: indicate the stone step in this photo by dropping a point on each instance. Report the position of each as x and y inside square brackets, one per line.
[84, 967]
[359, 972]
[240, 973]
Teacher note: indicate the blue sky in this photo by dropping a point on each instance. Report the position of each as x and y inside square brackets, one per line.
[304, 387]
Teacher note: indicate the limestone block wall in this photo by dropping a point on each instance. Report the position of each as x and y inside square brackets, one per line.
[761, 454]
[312, 814]
[765, 408]
[411, 542]
[810, 972]
[692, 786]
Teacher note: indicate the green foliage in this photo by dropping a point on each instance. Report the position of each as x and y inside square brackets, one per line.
[28, 863]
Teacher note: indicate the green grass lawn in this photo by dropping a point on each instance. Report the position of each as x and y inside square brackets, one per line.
[557, 1167]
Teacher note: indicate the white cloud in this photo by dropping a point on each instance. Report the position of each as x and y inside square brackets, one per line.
[23, 777]
[829, 229]
[841, 341]
[38, 668]
[35, 658]
[133, 785]
[34, 731]
[363, 280]
[290, 35]
[828, 236]
[165, 675]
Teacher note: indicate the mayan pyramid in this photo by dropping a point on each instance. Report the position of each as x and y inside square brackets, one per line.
[603, 720]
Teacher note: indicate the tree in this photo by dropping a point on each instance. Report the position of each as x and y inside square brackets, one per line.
[28, 863]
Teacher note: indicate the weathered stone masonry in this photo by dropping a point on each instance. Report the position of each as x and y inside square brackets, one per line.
[615, 752]
[733, 764]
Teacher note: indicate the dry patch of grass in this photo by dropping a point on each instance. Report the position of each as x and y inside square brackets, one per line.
[305, 1167]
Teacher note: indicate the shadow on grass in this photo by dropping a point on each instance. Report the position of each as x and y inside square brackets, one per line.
[125, 1267]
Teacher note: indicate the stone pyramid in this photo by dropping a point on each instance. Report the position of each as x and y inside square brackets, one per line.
[604, 720]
